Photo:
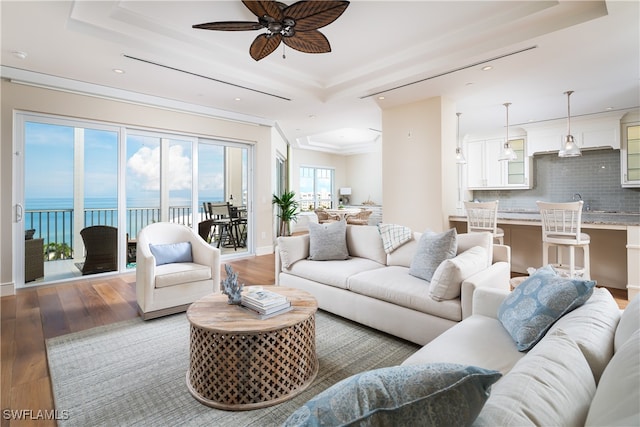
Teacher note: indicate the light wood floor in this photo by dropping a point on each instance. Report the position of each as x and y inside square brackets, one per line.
[33, 315]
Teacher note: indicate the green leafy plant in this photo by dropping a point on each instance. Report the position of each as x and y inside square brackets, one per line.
[288, 206]
[54, 251]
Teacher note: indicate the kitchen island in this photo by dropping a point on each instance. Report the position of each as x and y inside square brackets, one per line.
[614, 247]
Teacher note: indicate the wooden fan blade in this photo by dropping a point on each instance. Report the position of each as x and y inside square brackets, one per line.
[311, 15]
[264, 45]
[312, 41]
[229, 26]
[264, 7]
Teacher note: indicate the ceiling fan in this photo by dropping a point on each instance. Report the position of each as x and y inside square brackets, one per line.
[297, 25]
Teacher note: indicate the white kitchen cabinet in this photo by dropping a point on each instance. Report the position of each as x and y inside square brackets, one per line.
[630, 155]
[486, 172]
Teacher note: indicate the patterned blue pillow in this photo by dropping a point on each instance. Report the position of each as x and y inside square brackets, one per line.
[433, 394]
[172, 252]
[433, 248]
[536, 304]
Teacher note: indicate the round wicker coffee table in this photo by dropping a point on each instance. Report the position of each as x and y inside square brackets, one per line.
[239, 362]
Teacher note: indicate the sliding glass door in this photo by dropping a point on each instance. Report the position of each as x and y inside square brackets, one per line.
[84, 187]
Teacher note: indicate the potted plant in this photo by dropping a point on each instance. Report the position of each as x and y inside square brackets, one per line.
[288, 206]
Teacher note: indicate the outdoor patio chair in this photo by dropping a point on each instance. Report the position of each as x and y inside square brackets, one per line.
[101, 249]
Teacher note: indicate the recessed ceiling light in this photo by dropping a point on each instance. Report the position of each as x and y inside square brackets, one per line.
[609, 108]
[468, 84]
[118, 71]
[381, 97]
[19, 54]
[487, 68]
[237, 99]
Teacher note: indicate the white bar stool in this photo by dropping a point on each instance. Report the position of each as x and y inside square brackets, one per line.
[561, 223]
[483, 217]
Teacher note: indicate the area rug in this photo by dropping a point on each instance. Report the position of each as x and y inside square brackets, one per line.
[133, 372]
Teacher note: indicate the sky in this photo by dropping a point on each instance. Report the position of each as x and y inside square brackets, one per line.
[49, 165]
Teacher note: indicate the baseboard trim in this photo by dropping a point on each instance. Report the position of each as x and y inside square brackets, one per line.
[7, 289]
[264, 250]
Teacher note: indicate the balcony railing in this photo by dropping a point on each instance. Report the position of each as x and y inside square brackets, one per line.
[55, 226]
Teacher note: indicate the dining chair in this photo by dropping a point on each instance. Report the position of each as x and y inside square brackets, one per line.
[483, 217]
[561, 227]
[223, 226]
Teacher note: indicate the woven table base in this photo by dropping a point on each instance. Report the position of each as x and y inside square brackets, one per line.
[241, 371]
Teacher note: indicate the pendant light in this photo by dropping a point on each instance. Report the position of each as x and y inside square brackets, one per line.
[459, 156]
[507, 153]
[569, 147]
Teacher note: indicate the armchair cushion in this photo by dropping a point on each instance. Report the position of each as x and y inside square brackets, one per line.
[181, 272]
[171, 252]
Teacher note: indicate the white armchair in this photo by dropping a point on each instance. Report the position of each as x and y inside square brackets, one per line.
[172, 286]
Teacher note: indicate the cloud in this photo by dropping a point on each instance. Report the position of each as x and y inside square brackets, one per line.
[144, 166]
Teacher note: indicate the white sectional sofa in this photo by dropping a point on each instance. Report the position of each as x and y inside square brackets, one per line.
[374, 288]
[584, 371]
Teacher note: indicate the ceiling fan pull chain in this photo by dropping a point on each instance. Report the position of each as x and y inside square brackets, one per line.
[283, 48]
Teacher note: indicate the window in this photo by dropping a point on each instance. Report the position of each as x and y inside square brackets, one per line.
[316, 188]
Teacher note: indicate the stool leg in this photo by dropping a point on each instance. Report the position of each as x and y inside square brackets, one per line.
[586, 262]
[572, 261]
[545, 254]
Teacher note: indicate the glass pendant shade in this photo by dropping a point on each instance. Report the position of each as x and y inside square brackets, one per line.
[507, 154]
[569, 148]
[459, 156]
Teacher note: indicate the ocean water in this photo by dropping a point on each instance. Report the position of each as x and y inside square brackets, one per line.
[52, 218]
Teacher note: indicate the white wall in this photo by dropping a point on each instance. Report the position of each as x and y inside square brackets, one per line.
[418, 164]
[34, 99]
[364, 176]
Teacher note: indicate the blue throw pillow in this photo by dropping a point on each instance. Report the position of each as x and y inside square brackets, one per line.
[536, 304]
[413, 395]
[172, 252]
[433, 248]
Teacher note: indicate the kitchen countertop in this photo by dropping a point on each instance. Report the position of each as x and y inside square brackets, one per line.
[588, 218]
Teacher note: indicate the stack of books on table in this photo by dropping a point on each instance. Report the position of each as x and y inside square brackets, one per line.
[265, 303]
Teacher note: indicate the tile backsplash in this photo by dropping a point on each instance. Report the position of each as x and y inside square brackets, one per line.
[595, 176]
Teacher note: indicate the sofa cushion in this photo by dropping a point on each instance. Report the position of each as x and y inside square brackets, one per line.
[403, 255]
[179, 273]
[448, 277]
[593, 327]
[477, 340]
[395, 285]
[333, 273]
[438, 394]
[393, 236]
[530, 310]
[292, 249]
[617, 398]
[171, 252]
[365, 242]
[629, 323]
[328, 241]
[433, 248]
[551, 386]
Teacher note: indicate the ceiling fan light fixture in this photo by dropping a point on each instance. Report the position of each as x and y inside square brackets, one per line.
[507, 154]
[569, 148]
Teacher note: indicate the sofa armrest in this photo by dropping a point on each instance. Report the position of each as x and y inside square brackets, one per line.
[502, 253]
[486, 301]
[496, 276]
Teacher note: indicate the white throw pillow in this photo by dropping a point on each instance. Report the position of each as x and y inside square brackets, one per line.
[617, 399]
[629, 323]
[448, 277]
